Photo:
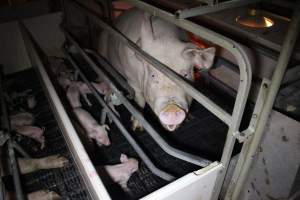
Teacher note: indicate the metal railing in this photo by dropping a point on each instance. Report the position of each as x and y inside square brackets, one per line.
[116, 120]
[201, 10]
[250, 147]
[153, 133]
[232, 120]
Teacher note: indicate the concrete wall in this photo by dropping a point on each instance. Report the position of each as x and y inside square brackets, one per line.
[45, 29]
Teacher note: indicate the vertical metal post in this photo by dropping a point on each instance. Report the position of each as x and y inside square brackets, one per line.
[11, 154]
[285, 54]
[15, 171]
[18, 148]
[2, 189]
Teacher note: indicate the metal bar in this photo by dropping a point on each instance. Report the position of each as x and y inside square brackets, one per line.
[126, 134]
[285, 54]
[15, 171]
[11, 154]
[123, 83]
[18, 148]
[152, 132]
[93, 183]
[2, 189]
[202, 10]
[261, 97]
[206, 102]
[255, 117]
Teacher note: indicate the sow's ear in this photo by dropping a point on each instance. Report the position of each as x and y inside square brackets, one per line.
[201, 58]
[147, 29]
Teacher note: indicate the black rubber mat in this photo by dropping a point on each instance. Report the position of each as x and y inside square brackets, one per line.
[65, 181]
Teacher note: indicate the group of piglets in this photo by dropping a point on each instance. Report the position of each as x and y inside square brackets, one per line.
[119, 173]
[21, 122]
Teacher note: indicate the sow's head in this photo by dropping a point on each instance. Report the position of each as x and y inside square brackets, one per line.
[162, 41]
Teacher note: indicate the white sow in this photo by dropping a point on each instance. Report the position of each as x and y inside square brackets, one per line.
[162, 40]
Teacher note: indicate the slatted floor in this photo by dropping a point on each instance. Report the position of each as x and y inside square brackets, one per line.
[65, 181]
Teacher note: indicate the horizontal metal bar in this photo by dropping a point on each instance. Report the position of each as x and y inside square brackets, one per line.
[206, 102]
[91, 179]
[135, 146]
[123, 83]
[201, 10]
[152, 132]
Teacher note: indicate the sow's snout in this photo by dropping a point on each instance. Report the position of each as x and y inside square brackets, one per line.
[171, 116]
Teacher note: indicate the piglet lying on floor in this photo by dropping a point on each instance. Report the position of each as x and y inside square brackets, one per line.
[43, 195]
[120, 173]
[37, 195]
[28, 165]
[93, 129]
[21, 119]
[33, 132]
[34, 164]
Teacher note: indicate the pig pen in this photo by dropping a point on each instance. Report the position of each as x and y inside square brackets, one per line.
[203, 134]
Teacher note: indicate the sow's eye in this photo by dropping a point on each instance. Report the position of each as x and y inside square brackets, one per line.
[154, 77]
[186, 74]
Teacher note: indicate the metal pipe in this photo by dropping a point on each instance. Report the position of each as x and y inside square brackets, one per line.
[15, 171]
[126, 134]
[202, 10]
[11, 154]
[285, 54]
[2, 189]
[152, 132]
[18, 148]
[123, 83]
[206, 102]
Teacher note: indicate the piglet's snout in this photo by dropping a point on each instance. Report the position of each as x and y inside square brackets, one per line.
[106, 142]
[172, 115]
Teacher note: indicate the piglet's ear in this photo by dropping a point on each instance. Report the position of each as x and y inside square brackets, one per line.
[201, 58]
[123, 158]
